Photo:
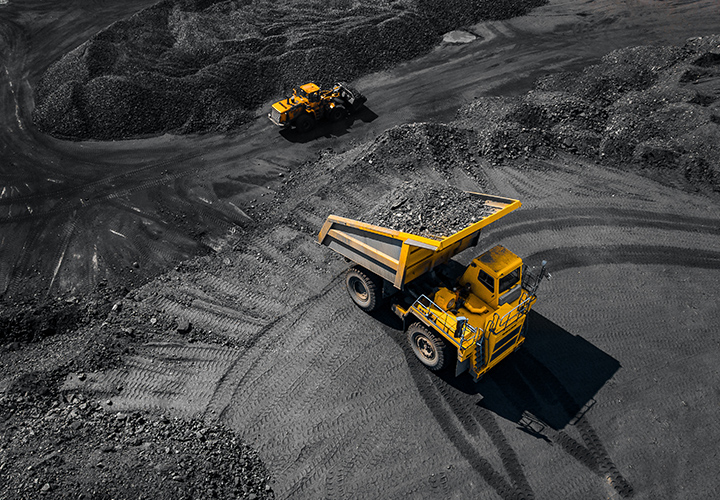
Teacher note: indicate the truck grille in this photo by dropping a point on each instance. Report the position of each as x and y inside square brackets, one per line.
[506, 343]
[275, 115]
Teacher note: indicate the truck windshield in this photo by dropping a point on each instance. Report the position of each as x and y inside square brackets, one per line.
[509, 281]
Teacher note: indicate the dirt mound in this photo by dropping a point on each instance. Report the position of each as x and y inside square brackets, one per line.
[186, 66]
[656, 108]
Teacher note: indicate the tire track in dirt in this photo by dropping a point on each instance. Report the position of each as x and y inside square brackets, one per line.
[265, 344]
[529, 375]
[22, 262]
[539, 219]
[241, 297]
[572, 257]
[210, 317]
[108, 181]
[67, 205]
[361, 457]
[460, 427]
[165, 376]
[327, 363]
[65, 237]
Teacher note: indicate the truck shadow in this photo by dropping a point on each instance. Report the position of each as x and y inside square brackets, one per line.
[552, 378]
[325, 128]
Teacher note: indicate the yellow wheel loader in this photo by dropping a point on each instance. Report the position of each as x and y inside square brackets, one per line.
[309, 104]
[473, 317]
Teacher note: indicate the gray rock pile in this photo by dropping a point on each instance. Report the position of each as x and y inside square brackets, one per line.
[653, 107]
[428, 210]
[81, 450]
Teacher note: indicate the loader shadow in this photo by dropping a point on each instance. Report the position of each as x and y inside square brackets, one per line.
[330, 129]
[552, 378]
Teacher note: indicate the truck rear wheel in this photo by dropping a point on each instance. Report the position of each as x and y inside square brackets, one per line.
[305, 123]
[365, 288]
[429, 347]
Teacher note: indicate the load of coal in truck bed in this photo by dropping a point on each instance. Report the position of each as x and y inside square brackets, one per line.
[433, 212]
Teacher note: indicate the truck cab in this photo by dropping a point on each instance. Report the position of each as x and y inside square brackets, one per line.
[495, 277]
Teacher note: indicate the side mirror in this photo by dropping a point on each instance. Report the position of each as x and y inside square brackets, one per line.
[461, 321]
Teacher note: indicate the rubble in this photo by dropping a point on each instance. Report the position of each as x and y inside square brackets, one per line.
[427, 210]
[653, 108]
[82, 450]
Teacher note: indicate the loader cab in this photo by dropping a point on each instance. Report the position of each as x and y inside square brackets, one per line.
[495, 277]
[309, 92]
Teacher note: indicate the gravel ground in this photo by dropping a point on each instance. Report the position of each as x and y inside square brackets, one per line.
[196, 66]
[80, 450]
[60, 443]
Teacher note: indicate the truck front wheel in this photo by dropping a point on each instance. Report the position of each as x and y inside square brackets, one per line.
[428, 346]
[365, 288]
[305, 123]
[337, 113]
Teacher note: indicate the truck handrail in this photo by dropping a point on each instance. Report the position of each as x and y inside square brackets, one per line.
[427, 308]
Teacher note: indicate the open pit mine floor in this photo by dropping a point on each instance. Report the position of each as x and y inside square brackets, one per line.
[192, 304]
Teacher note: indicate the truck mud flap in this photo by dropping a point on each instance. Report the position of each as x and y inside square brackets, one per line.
[462, 367]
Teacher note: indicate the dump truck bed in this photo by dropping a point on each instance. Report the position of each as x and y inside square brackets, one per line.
[400, 257]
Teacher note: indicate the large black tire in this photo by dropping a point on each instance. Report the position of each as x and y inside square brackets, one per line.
[337, 113]
[305, 123]
[365, 288]
[429, 347]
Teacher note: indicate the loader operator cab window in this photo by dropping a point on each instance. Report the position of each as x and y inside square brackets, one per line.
[313, 97]
[486, 280]
[509, 281]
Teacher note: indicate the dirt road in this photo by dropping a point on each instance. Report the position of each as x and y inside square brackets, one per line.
[612, 396]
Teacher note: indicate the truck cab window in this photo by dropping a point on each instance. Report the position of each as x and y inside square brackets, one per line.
[487, 280]
[509, 281]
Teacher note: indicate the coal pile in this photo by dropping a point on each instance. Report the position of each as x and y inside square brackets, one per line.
[407, 148]
[428, 210]
[184, 66]
[652, 108]
[414, 163]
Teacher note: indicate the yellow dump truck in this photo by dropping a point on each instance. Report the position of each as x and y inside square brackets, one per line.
[474, 314]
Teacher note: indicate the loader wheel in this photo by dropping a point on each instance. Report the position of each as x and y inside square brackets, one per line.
[336, 114]
[428, 346]
[365, 288]
[305, 123]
